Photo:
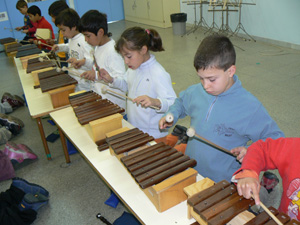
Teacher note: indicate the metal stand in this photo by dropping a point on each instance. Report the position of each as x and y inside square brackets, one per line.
[240, 25]
[202, 22]
[213, 25]
[225, 29]
[194, 27]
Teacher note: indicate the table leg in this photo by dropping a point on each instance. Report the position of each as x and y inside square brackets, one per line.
[64, 145]
[41, 129]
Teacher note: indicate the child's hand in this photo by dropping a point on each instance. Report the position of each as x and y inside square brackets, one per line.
[90, 75]
[50, 41]
[54, 48]
[249, 187]
[163, 124]
[18, 28]
[240, 152]
[147, 101]
[104, 75]
[25, 31]
[78, 63]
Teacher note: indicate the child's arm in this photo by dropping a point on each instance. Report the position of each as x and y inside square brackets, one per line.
[116, 82]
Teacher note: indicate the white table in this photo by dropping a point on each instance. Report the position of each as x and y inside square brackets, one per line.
[39, 104]
[116, 176]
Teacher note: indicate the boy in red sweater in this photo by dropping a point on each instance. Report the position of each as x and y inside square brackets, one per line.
[35, 16]
[281, 154]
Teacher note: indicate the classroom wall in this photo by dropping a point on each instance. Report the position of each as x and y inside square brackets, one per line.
[276, 20]
[113, 9]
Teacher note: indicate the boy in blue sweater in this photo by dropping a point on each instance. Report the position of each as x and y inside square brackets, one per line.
[221, 111]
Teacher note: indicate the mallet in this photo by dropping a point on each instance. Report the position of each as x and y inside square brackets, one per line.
[169, 118]
[42, 60]
[105, 89]
[191, 133]
[269, 212]
[42, 43]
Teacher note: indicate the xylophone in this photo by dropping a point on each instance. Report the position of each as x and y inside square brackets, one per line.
[220, 204]
[12, 47]
[7, 40]
[83, 97]
[39, 65]
[26, 50]
[89, 106]
[155, 164]
[128, 140]
[49, 73]
[55, 82]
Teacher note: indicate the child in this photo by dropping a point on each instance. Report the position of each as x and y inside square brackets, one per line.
[54, 9]
[146, 81]
[281, 154]
[221, 111]
[35, 16]
[79, 51]
[95, 29]
[28, 28]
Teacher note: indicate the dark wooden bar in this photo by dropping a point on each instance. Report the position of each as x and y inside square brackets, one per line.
[39, 65]
[50, 73]
[56, 82]
[7, 40]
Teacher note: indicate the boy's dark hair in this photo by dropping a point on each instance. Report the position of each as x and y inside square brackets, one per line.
[135, 38]
[92, 21]
[69, 18]
[34, 10]
[215, 52]
[56, 7]
[20, 4]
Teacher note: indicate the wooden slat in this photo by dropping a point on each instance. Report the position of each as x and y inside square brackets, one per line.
[56, 82]
[160, 177]
[195, 199]
[282, 217]
[133, 145]
[262, 218]
[214, 199]
[122, 134]
[225, 216]
[161, 168]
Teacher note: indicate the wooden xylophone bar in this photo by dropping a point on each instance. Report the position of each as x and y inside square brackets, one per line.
[264, 219]
[7, 40]
[39, 65]
[218, 204]
[156, 163]
[56, 82]
[50, 73]
[103, 114]
[25, 51]
[13, 47]
[95, 111]
[83, 98]
[92, 106]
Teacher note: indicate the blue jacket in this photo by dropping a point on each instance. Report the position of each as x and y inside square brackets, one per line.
[230, 120]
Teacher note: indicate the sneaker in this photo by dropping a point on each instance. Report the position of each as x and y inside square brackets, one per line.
[18, 152]
[33, 201]
[6, 96]
[15, 101]
[5, 135]
[13, 124]
[29, 187]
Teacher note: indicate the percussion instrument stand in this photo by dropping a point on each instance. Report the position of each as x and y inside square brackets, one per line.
[240, 25]
[213, 25]
[194, 27]
[202, 22]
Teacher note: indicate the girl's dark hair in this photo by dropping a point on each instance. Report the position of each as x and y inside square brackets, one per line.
[20, 4]
[34, 10]
[92, 21]
[68, 18]
[56, 7]
[215, 52]
[135, 38]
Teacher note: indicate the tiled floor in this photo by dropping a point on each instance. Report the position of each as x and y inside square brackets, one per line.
[77, 193]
